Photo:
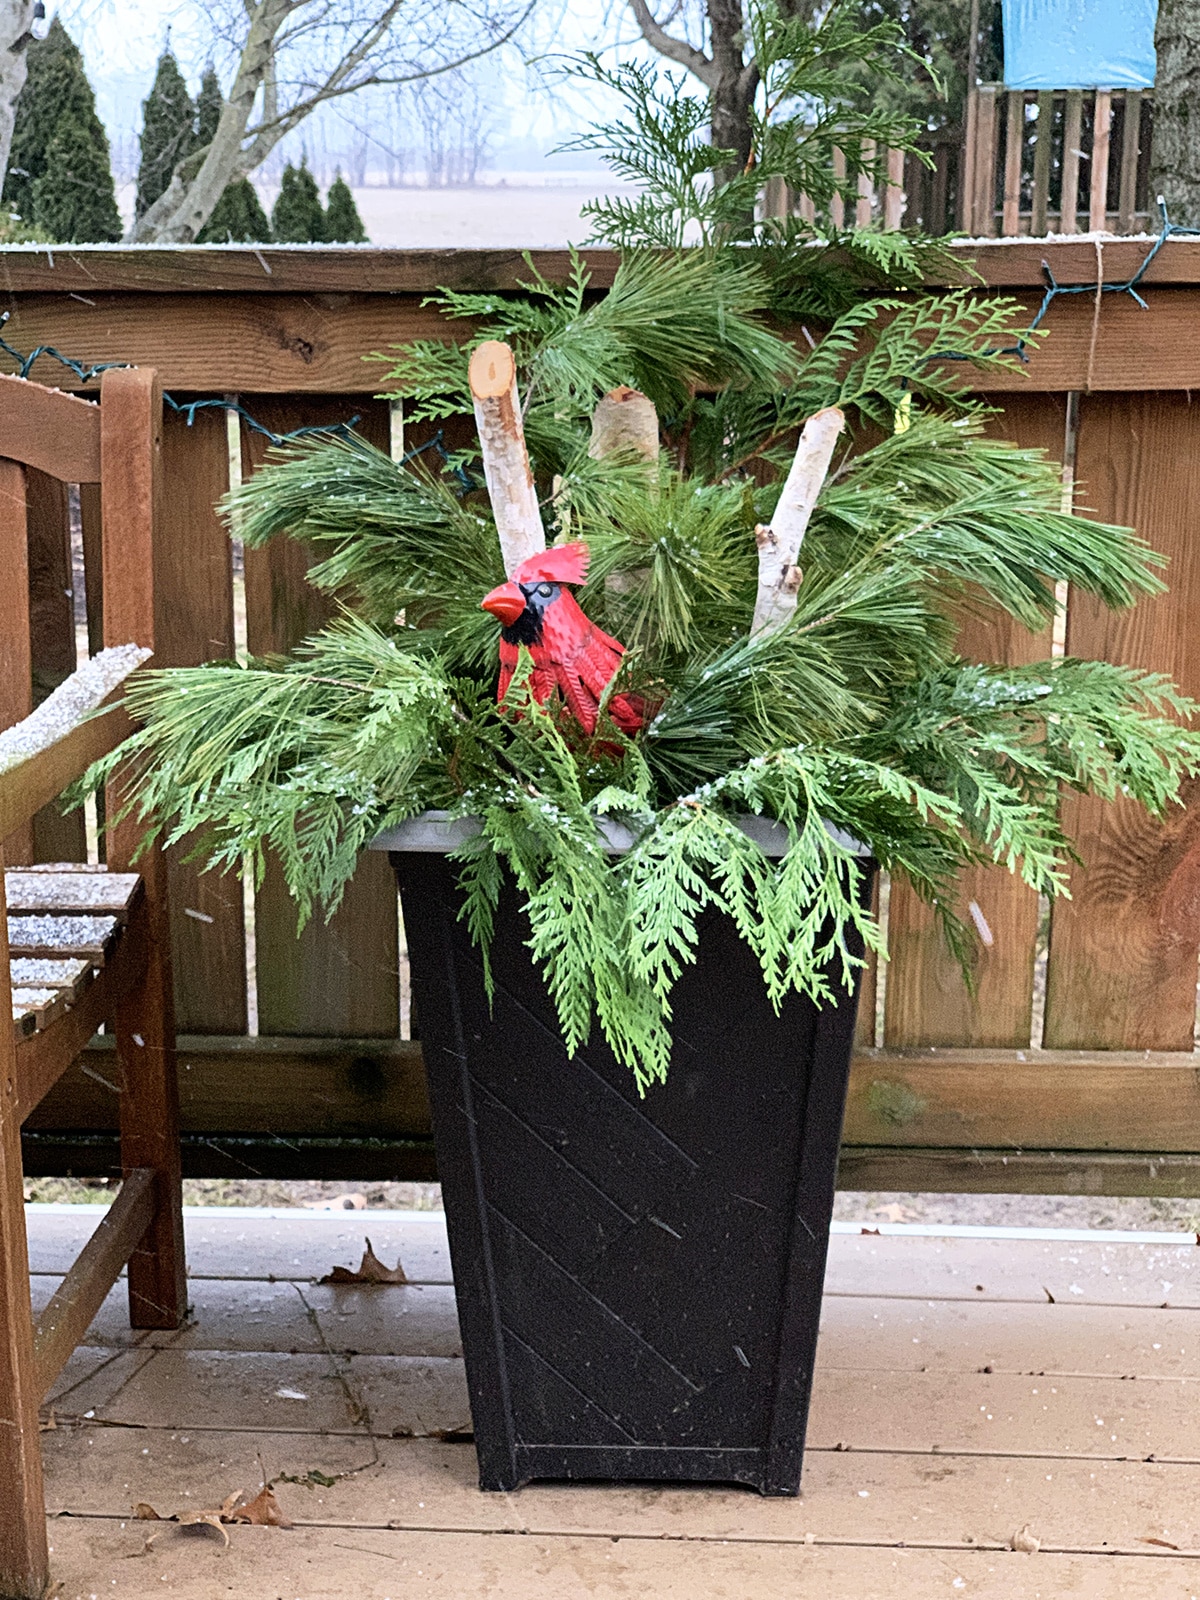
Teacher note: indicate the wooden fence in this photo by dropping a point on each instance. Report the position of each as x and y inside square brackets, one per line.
[1057, 161]
[1072, 1067]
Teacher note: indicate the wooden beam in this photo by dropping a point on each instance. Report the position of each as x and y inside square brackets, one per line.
[1131, 139]
[1040, 203]
[1068, 221]
[1101, 145]
[25, 789]
[82, 1292]
[1013, 151]
[901, 1099]
[262, 270]
[876, 1168]
[57, 433]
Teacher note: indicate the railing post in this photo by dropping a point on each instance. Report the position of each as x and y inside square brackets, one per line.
[1101, 135]
[1068, 221]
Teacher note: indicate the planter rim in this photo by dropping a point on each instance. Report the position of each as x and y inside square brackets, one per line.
[438, 832]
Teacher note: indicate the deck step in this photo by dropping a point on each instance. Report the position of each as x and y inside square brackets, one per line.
[55, 937]
[72, 893]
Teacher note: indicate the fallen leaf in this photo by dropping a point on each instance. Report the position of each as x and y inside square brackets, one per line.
[263, 1511]
[372, 1270]
[1164, 1543]
[1049, 1296]
[1025, 1541]
[873, 1231]
[146, 1513]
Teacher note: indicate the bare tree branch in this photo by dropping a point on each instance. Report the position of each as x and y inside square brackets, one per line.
[674, 49]
[364, 54]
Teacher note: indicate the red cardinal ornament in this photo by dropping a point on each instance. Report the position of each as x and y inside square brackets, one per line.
[569, 652]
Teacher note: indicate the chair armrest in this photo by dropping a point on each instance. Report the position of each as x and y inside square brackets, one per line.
[58, 742]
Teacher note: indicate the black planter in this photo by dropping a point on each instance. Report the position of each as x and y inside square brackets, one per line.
[639, 1280]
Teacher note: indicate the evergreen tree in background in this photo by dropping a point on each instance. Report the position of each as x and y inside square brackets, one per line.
[168, 131]
[343, 225]
[73, 200]
[238, 218]
[209, 104]
[298, 216]
[57, 90]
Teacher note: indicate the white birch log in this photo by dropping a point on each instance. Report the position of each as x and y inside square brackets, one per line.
[493, 378]
[624, 420]
[779, 544]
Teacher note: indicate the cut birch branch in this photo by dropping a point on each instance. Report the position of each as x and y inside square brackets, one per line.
[493, 378]
[624, 421]
[779, 544]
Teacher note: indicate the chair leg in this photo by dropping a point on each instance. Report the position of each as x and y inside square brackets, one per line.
[144, 1024]
[24, 1557]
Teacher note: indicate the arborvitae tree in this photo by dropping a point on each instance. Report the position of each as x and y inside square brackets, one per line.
[73, 199]
[298, 216]
[209, 104]
[55, 89]
[343, 225]
[238, 218]
[168, 131]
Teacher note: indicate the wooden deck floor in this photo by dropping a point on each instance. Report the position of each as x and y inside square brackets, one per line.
[967, 1389]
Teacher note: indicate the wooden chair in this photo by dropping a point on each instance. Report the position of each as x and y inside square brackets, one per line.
[83, 946]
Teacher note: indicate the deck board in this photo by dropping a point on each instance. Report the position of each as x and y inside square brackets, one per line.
[921, 1466]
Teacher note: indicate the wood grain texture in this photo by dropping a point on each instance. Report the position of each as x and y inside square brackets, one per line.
[315, 345]
[1123, 949]
[143, 1020]
[928, 1003]
[25, 789]
[66, 1318]
[1041, 163]
[340, 977]
[193, 597]
[878, 1168]
[166, 274]
[56, 836]
[45, 428]
[16, 652]
[24, 1556]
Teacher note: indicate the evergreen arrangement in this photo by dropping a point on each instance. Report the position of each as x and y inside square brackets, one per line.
[168, 131]
[57, 127]
[840, 707]
[343, 225]
[298, 216]
[237, 218]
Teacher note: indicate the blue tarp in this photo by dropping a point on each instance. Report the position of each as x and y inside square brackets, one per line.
[1079, 44]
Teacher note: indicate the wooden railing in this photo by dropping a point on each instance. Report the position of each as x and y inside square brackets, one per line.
[1057, 161]
[1072, 1066]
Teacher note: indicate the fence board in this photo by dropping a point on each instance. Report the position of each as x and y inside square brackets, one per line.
[1014, 147]
[1072, 135]
[1130, 150]
[1040, 202]
[56, 837]
[928, 1002]
[194, 601]
[1101, 144]
[1123, 950]
[340, 977]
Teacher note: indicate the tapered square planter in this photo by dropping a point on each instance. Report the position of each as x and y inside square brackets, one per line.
[639, 1279]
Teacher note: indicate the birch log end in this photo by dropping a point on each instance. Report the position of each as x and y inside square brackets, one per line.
[779, 544]
[493, 377]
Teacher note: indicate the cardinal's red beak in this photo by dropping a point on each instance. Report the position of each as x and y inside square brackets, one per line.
[507, 602]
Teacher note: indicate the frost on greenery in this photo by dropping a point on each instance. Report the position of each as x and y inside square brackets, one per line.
[857, 721]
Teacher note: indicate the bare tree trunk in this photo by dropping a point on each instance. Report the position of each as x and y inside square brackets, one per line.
[16, 22]
[734, 82]
[1175, 162]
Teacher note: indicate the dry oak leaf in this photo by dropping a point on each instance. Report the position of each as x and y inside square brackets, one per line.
[372, 1270]
[1026, 1541]
[264, 1511]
